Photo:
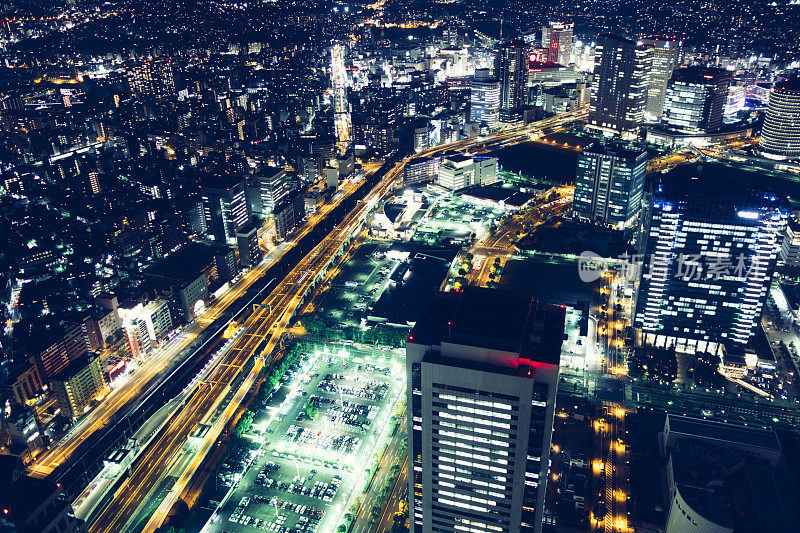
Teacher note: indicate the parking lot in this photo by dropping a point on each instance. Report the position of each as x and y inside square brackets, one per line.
[316, 436]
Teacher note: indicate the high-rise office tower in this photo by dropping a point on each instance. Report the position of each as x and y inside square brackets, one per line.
[695, 101]
[664, 55]
[511, 68]
[225, 208]
[709, 253]
[559, 42]
[272, 188]
[609, 183]
[482, 371]
[484, 99]
[151, 79]
[780, 135]
[619, 90]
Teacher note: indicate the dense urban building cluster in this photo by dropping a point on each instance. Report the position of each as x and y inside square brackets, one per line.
[489, 267]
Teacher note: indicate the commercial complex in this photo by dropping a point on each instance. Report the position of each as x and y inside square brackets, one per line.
[780, 135]
[725, 478]
[695, 100]
[708, 258]
[482, 370]
[609, 183]
[619, 93]
[458, 171]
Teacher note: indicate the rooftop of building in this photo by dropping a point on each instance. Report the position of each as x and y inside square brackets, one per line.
[717, 182]
[495, 320]
[544, 65]
[723, 433]
[788, 85]
[249, 227]
[188, 261]
[220, 181]
[697, 74]
[792, 295]
[24, 496]
[75, 366]
[496, 192]
[458, 159]
[616, 37]
[730, 488]
[615, 149]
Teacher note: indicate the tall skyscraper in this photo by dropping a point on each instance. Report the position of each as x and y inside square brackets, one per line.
[272, 188]
[225, 208]
[341, 107]
[695, 100]
[151, 79]
[484, 99]
[780, 135]
[482, 370]
[709, 254]
[664, 55]
[559, 42]
[609, 183]
[511, 68]
[619, 90]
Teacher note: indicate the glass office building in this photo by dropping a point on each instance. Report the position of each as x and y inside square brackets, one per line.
[609, 181]
[709, 252]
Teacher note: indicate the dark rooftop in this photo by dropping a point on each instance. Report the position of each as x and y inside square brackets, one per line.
[788, 85]
[707, 429]
[494, 319]
[74, 367]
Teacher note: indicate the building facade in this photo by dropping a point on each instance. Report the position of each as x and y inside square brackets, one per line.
[695, 100]
[484, 99]
[619, 91]
[79, 384]
[482, 370]
[780, 135]
[272, 188]
[609, 183]
[151, 79]
[247, 246]
[559, 42]
[708, 259]
[459, 171]
[511, 69]
[664, 55]
[225, 210]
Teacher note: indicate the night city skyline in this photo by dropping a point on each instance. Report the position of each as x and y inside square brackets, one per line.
[384, 267]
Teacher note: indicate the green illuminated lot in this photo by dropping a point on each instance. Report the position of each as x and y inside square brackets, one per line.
[315, 443]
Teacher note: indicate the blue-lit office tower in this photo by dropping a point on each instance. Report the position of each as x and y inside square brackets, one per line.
[709, 253]
[609, 182]
[695, 100]
[482, 370]
[484, 99]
